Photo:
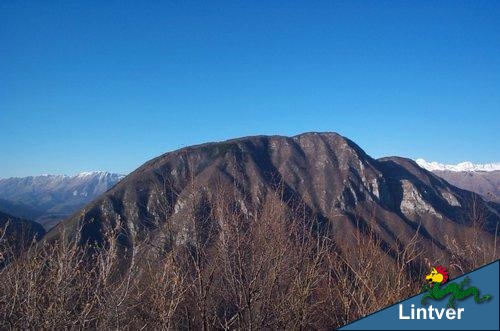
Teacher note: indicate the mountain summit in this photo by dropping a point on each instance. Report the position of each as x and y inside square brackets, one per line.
[324, 177]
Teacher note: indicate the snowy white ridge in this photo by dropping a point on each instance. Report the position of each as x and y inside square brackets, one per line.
[81, 175]
[463, 166]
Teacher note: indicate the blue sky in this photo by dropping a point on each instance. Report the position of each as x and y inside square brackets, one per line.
[107, 85]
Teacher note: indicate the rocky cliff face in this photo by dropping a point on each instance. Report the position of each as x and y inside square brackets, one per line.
[324, 176]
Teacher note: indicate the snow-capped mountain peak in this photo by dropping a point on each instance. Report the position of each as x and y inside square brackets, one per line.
[463, 166]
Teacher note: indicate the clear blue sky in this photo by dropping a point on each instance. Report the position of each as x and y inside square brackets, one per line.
[107, 85]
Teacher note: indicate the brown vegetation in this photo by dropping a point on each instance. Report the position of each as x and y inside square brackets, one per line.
[271, 269]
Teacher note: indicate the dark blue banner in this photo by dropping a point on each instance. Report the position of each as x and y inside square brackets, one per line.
[474, 305]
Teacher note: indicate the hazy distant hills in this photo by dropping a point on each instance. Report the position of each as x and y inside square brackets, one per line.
[49, 198]
[480, 178]
[20, 209]
[325, 176]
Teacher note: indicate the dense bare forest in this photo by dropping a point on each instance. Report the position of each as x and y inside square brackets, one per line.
[273, 269]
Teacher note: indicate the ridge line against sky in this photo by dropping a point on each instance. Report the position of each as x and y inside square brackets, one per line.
[110, 85]
[428, 165]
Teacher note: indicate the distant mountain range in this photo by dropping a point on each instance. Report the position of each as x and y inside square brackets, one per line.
[460, 167]
[49, 198]
[480, 178]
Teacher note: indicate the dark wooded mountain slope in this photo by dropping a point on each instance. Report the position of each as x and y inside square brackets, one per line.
[17, 234]
[17, 226]
[324, 175]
